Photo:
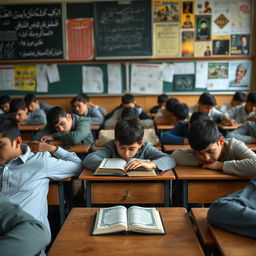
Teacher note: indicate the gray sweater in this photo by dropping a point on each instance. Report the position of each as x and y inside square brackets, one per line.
[238, 113]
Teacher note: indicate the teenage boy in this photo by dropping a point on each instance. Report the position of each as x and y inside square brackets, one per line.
[236, 212]
[128, 144]
[161, 100]
[25, 176]
[20, 233]
[245, 112]
[127, 101]
[238, 98]
[70, 129]
[82, 107]
[209, 149]
[4, 104]
[33, 104]
[22, 116]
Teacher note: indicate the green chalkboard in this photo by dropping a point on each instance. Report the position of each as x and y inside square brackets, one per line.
[29, 32]
[79, 10]
[123, 29]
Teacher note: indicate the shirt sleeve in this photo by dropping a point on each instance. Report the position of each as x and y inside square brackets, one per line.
[95, 116]
[241, 133]
[173, 136]
[36, 118]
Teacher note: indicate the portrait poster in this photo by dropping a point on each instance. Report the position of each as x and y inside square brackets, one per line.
[240, 44]
[24, 78]
[203, 7]
[187, 43]
[187, 7]
[218, 70]
[166, 10]
[184, 82]
[220, 45]
[203, 48]
[203, 28]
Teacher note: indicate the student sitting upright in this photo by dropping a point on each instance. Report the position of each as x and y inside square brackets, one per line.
[33, 105]
[20, 113]
[237, 99]
[236, 212]
[127, 101]
[4, 104]
[161, 100]
[70, 129]
[178, 135]
[128, 143]
[82, 107]
[209, 149]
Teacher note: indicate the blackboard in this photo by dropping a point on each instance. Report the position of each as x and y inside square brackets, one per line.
[29, 32]
[79, 10]
[123, 29]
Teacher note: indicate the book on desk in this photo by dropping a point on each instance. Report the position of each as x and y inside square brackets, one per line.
[116, 167]
[119, 219]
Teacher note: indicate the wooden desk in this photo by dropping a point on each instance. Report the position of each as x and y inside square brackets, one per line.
[74, 238]
[164, 126]
[204, 186]
[251, 146]
[27, 131]
[171, 148]
[232, 244]
[127, 190]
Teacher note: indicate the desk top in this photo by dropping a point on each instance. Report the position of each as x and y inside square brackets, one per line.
[87, 175]
[164, 126]
[169, 147]
[251, 146]
[185, 172]
[31, 128]
[232, 244]
[229, 127]
[74, 238]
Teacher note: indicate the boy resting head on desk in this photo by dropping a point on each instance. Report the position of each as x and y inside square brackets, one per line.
[68, 128]
[128, 143]
[209, 149]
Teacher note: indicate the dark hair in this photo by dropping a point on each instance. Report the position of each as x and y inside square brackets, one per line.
[251, 97]
[170, 103]
[16, 105]
[9, 128]
[203, 21]
[202, 134]
[198, 116]
[81, 98]
[162, 98]
[129, 131]
[54, 115]
[181, 111]
[207, 99]
[129, 113]
[127, 98]
[29, 98]
[239, 96]
[5, 99]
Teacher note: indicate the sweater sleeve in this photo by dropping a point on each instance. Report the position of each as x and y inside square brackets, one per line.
[173, 136]
[241, 133]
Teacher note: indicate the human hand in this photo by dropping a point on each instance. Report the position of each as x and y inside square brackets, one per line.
[140, 164]
[39, 146]
[47, 137]
[216, 165]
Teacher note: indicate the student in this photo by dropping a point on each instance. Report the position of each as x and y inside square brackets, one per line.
[129, 144]
[245, 112]
[179, 134]
[25, 175]
[127, 101]
[20, 113]
[33, 105]
[68, 128]
[238, 98]
[209, 149]
[4, 104]
[164, 116]
[161, 101]
[82, 107]
[20, 233]
[236, 212]
[206, 105]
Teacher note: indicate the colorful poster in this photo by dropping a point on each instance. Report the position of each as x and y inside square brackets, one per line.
[203, 28]
[24, 78]
[187, 43]
[183, 82]
[187, 21]
[203, 48]
[80, 44]
[220, 45]
[166, 10]
[166, 40]
[240, 45]
[187, 7]
[6, 77]
[203, 7]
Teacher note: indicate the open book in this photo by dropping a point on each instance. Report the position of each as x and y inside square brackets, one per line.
[116, 166]
[135, 219]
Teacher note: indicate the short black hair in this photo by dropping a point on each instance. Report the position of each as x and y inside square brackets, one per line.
[203, 21]
[129, 113]
[162, 98]
[198, 116]
[127, 98]
[9, 128]
[16, 105]
[81, 98]
[202, 134]
[129, 131]
[29, 98]
[207, 99]
[239, 96]
[5, 99]
[54, 115]
[251, 97]
[170, 103]
[181, 111]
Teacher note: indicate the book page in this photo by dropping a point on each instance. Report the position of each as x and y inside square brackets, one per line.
[114, 163]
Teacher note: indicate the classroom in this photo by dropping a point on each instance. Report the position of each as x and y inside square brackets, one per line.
[80, 71]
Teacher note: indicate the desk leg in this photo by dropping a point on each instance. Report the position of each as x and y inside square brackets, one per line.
[88, 194]
[167, 190]
[185, 193]
[62, 202]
